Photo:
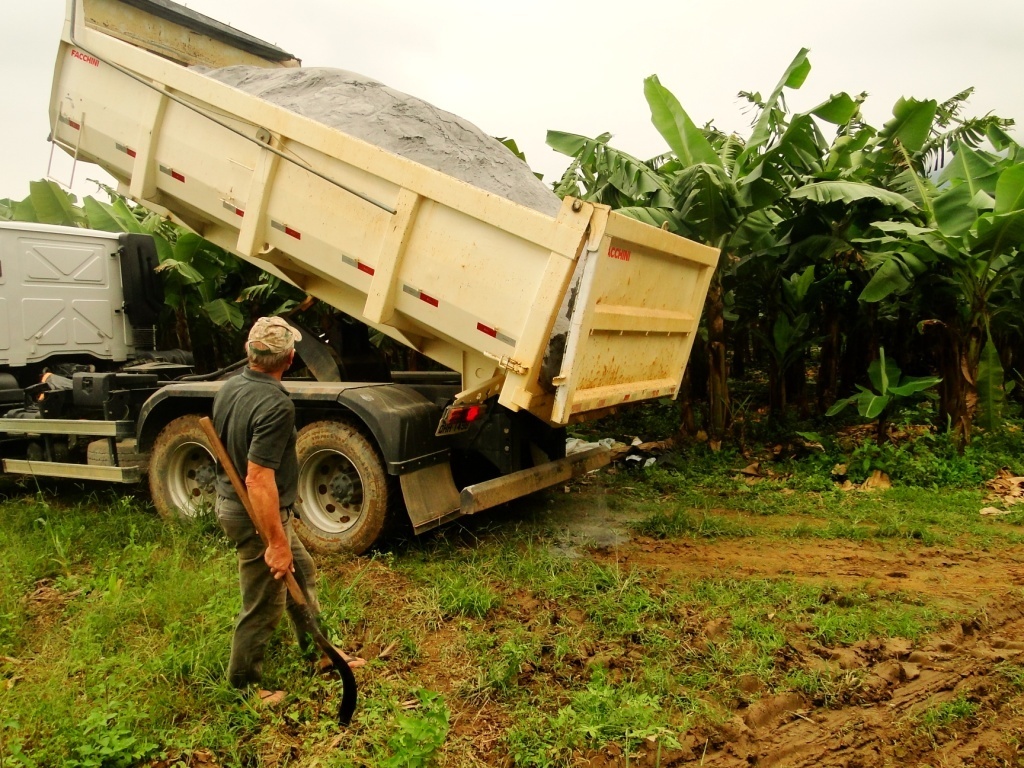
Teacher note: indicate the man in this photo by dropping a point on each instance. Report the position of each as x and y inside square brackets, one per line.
[255, 419]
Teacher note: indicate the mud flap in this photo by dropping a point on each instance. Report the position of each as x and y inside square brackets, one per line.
[431, 497]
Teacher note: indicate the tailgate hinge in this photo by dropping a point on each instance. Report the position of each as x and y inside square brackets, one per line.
[509, 363]
[479, 394]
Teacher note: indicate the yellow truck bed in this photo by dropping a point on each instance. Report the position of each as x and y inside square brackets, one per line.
[466, 277]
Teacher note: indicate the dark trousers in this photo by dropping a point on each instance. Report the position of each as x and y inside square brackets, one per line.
[264, 598]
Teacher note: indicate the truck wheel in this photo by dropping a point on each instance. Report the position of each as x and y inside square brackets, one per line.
[182, 471]
[343, 489]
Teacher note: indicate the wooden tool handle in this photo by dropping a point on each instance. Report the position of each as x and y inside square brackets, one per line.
[236, 482]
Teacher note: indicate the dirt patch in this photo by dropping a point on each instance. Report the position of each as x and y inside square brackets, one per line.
[955, 698]
[956, 578]
[46, 603]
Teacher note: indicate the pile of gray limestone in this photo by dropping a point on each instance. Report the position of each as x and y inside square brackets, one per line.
[399, 123]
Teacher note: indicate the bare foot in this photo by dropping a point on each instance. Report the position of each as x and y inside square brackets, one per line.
[354, 662]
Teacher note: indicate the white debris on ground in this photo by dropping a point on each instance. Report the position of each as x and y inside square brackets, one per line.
[575, 445]
[634, 453]
[397, 122]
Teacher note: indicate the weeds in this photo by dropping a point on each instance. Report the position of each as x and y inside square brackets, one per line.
[947, 714]
[1013, 673]
[418, 734]
[826, 688]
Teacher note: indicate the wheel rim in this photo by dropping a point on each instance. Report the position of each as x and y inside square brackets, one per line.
[191, 477]
[330, 492]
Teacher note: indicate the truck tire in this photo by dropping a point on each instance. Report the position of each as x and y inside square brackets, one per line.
[344, 491]
[182, 470]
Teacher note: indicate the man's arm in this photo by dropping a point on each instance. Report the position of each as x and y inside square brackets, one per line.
[262, 487]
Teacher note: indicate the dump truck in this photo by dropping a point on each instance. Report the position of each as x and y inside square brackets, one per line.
[539, 320]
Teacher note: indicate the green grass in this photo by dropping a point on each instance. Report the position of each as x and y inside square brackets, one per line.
[947, 714]
[114, 628]
[595, 715]
[731, 508]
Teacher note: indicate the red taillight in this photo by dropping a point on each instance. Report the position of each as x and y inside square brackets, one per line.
[465, 414]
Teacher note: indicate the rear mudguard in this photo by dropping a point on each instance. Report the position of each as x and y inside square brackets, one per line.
[401, 419]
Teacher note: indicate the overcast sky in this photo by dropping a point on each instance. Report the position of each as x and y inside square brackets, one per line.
[518, 69]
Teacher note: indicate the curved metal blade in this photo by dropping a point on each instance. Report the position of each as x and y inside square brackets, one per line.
[348, 694]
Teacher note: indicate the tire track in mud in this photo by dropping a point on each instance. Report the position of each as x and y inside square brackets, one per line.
[882, 723]
[878, 721]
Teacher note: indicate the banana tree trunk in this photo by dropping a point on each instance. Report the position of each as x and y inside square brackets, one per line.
[778, 399]
[796, 385]
[828, 364]
[182, 329]
[693, 392]
[687, 418]
[958, 395]
[718, 366]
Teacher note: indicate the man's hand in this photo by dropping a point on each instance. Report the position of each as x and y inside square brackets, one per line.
[279, 559]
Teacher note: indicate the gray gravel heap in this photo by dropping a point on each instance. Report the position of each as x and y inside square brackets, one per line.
[367, 109]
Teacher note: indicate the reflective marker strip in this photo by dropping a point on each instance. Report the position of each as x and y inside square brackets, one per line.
[233, 208]
[172, 173]
[495, 334]
[127, 150]
[287, 230]
[72, 123]
[420, 295]
[357, 264]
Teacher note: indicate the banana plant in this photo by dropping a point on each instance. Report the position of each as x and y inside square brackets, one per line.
[965, 254]
[735, 193]
[721, 189]
[600, 173]
[889, 389]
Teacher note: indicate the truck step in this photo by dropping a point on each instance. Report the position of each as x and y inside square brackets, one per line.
[491, 493]
[72, 471]
[94, 427]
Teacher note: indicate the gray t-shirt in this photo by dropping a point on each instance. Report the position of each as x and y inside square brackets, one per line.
[255, 419]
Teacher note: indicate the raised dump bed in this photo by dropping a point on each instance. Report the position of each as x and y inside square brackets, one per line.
[464, 276]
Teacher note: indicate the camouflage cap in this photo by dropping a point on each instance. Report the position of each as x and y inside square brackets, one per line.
[271, 335]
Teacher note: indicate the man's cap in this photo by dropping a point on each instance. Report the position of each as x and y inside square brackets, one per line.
[271, 336]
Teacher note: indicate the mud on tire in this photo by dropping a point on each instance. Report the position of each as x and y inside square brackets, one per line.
[344, 492]
[182, 470]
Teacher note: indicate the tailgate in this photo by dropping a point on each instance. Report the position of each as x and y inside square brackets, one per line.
[635, 316]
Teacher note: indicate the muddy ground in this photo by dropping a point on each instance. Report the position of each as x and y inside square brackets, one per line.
[874, 719]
